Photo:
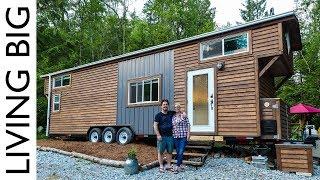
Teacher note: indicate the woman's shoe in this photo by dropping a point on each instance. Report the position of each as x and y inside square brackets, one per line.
[176, 170]
[161, 170]
[170, 168]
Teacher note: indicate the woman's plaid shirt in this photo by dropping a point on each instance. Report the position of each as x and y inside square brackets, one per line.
[180, 123]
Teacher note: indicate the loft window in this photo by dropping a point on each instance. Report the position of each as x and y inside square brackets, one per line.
[61, 81]
[143, 91]
[225, 46]
[56, 102]
[236, 44]
[212, 49]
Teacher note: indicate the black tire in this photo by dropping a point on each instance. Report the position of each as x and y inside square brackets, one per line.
[124, 136]
[94, 135]
[108, 135]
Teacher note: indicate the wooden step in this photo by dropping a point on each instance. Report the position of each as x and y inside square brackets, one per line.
[193, 163]
[191, 154]
[201, 138]
[199, 147]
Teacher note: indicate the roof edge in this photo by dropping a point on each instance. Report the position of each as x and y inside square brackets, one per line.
[152, 48]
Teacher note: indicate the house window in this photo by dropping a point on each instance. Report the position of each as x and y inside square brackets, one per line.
[61, 81]
[236, 44]
[143, 91]
[212, 49]
[224, 47]
[56, 102]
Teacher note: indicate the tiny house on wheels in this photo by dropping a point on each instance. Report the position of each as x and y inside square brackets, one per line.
[225, 80]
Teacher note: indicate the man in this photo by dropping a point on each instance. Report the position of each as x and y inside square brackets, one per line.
[163, 128]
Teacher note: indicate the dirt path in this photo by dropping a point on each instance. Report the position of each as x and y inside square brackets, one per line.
[145, 153]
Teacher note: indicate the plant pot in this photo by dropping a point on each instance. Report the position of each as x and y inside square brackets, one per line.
[131, 166]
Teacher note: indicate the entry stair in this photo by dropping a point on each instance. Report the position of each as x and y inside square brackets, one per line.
[196, 152]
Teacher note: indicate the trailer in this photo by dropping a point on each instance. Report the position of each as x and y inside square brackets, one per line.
[225, 80]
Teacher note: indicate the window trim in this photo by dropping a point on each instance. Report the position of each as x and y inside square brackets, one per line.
[53, 102]
[222, 40]
[142, 79]
[61, 77]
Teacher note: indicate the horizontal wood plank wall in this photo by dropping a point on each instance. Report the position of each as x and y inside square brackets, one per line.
[266, 87]
[236, 93]
[292, 159]
[265, 40]
[90, 100]
[236, 114]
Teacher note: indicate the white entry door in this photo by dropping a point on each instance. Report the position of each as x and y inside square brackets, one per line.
[201, 100]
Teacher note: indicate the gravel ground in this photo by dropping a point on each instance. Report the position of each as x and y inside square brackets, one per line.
[56, 166]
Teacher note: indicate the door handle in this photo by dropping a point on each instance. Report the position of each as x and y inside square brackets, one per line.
[211, 103]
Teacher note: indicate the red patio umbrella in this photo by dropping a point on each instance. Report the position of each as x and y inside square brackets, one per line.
[303, 109]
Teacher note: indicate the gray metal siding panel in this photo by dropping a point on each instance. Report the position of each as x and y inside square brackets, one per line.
[119, 84]
[141, 118]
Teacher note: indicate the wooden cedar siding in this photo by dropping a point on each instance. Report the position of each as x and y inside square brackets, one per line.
[237, 95]
[294, 158]
[266, 87]
[236, 114]
[265, 40]
[90, 100]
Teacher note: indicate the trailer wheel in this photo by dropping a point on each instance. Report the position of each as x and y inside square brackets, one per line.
[124, 136]
[109, 135]
[94, 135]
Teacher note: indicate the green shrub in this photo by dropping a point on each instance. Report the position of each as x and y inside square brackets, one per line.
[132, 154]
[41, 136]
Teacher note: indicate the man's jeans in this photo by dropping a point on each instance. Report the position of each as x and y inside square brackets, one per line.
[180, 144]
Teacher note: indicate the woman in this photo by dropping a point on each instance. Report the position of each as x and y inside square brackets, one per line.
[181, 134]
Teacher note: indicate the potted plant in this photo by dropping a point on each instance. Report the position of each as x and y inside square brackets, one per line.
[131, 165]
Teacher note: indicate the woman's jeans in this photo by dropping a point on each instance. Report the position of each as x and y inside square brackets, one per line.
[180, 144]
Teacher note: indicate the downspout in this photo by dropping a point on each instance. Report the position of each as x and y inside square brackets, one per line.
[49, 104]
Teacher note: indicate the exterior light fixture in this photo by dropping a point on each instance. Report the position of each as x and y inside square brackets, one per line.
[220, 65]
